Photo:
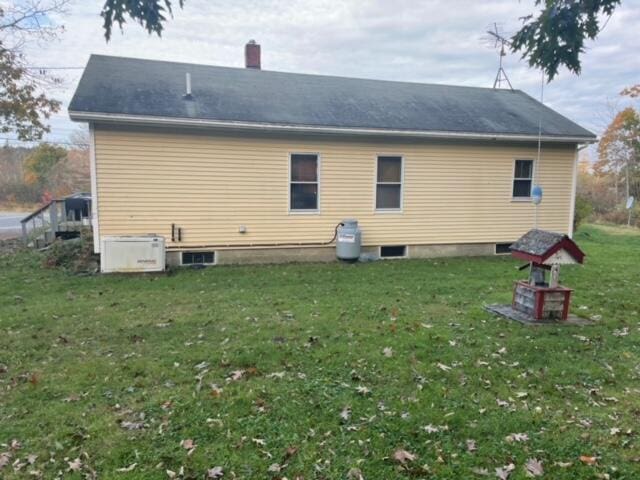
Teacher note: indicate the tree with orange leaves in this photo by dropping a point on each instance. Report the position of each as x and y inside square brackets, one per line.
[619, 151]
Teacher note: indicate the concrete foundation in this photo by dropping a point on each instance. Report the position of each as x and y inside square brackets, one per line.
[231, 256]
[451, 250]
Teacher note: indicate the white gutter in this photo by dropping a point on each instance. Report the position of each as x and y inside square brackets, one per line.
[233, 125]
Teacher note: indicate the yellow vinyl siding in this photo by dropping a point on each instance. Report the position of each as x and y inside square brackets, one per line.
[210, 184]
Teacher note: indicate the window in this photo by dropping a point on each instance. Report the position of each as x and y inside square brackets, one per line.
[303, 190]
[503, 248]
[522, 179]
[395, 251]
[389, 183]
[198, 258]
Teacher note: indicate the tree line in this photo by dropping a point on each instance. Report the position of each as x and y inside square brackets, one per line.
[37, 175]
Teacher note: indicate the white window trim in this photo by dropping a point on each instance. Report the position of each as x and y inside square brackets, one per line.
[315, 211]
[513, 179]
[375, 185]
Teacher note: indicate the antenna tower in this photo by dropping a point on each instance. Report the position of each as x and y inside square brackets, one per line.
[501, 41]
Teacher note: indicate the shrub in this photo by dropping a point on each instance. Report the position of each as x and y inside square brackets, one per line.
[583, 211]
[74, 255]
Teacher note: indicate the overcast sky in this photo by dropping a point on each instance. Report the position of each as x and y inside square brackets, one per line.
[431, 41]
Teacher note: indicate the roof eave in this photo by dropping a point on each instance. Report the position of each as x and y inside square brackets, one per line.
[148, 120]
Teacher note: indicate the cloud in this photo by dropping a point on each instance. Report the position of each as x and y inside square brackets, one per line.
[433, 41]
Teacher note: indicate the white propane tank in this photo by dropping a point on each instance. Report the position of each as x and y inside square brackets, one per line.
[348, 241]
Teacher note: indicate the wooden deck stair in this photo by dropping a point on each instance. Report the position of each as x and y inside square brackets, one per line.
[49, 222]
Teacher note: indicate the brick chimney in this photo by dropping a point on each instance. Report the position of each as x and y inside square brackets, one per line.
[252, 55]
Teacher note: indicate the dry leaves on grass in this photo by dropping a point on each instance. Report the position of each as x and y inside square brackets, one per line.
[387, 352]
[189, 445]
[5, 458]
[517, 437]
[75, 465]
[345, 414]
[362, 390]
[355, 474]
[588, 460]
[215, 472]
[235, 375]
[130, 468]
[471, 446]
[503, 473]
[533, 468]
[403, 456]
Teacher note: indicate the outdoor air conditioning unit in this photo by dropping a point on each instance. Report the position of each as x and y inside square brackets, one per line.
[132, 254]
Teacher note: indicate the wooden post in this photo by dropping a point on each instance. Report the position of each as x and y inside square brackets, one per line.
[25, 238]
[53, 216]
[554, 281]
[63, 215]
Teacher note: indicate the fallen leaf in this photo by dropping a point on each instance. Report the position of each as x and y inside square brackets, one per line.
[215, 472]
[588, 460]
[259, 442]
[345, 414]
[275, 468]
[471, 446]
[235, 375]
[402, 456]
[517, 437]
[443, 367]
[355, 474]
[480, 471]
[362, 390]
[127, 469]
[503, 472]
[291, 451]
[188, 444]
[387, 352]
[75, 465]
[533, 467]
[563, 464]
[5, 458]
[132, 425]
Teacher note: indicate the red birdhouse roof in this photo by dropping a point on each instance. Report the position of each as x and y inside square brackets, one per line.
[539, 245]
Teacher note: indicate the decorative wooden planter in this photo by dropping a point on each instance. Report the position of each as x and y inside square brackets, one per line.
[541, 303]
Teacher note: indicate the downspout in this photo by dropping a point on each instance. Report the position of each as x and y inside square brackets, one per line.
[95, 220]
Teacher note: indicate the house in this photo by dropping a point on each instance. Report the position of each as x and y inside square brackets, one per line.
[236, 165]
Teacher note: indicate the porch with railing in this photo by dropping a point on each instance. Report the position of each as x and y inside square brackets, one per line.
[54, 220]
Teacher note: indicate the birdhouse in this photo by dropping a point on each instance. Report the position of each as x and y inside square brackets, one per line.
[541, 297]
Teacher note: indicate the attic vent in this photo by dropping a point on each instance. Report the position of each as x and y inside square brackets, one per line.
[187, 94]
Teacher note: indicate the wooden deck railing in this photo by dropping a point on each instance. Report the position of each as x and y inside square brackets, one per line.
[50, 221]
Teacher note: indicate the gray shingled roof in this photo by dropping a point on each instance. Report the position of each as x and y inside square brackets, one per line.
[537, 242]
[126, 86]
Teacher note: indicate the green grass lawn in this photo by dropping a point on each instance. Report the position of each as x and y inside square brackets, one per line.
[319, 371]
